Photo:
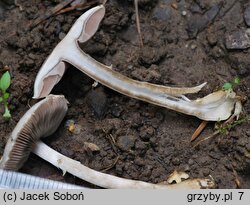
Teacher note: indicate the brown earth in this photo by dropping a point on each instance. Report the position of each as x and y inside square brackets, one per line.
[151, 142]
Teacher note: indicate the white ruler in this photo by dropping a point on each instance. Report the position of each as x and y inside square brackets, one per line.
[16, 180]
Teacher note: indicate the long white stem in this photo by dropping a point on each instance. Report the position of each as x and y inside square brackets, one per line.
[217, 106]
[105, 180]
[119, 82]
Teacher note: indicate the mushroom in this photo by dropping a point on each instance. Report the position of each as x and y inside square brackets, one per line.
[214, 107]
[42, 120]
[68, 50]
[109, 181]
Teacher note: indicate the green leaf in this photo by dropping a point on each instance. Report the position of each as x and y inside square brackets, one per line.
[1, 99]
[7, 113]
[227, 86]
[5, 81]
[237, 80]
[6, 96]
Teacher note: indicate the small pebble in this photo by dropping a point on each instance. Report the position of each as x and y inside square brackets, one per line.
[97, 100]
[193, 46]
[126, 142]
[183, 13]
[239, 39]
[197, 23]
[247, 16]
[130, 67]
[190, 162]
[61, 35]
[174, 5]
[91, 147]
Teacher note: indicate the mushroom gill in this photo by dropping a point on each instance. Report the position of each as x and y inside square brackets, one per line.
[41, 120]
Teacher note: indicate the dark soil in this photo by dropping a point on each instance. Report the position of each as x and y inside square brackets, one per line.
[183, 46]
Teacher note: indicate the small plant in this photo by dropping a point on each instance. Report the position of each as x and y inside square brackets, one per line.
[4, 85]
[231, 85]
[224, 129]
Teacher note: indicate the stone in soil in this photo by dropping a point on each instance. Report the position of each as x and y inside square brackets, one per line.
[198, 23]
[238, 40]
[247, 16]
[126, 142]
[97, 100]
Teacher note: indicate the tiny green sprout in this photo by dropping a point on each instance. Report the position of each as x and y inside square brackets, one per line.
[237, 80]
[231, 85]
[4, 85]
[227, 86]
[224, 129]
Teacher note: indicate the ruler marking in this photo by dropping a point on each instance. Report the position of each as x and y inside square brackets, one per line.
[9, 179]
[19, 180]
[1, 172]
[46, 184]
[27, 186]
[14, 180]
[34, 182]
[24, 181]
[5, 178]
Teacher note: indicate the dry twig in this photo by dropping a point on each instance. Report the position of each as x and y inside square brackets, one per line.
[51, 12]
[84, 5]
[199, 130]
[138, 22]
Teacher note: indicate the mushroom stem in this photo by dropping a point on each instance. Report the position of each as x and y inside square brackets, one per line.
[105, 180]
[214, 107]
[121, 83]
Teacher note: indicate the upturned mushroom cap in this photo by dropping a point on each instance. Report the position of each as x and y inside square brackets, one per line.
[41, 120]
[54, 67]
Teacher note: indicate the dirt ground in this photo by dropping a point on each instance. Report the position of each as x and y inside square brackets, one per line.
[184, 45]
